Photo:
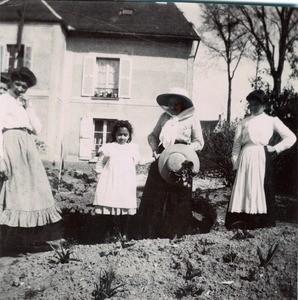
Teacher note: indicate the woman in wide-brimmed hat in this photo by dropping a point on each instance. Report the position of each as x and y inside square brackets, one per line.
[26, 198]
[252, 201]
[162, 199]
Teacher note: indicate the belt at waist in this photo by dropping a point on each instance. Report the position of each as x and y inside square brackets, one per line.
[17, 128]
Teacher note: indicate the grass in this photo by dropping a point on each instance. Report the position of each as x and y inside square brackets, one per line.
[63, 252]
[105, 288]
[265, 260]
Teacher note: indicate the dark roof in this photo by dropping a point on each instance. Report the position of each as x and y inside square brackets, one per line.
[147, 18]
[35, 11]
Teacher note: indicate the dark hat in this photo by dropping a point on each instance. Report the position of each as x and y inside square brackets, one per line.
[163, 99]
[257, 95]
[24, 74]
[172, 158]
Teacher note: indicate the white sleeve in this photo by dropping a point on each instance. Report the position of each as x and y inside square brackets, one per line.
[100, 163]
[197, 140]
[102, 158]
[34, 120]
[236, 146]
[288, 137]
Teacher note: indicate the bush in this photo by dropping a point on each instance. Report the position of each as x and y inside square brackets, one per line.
[285, 107]
[215, 157]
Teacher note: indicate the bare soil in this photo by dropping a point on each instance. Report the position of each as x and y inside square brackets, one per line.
[219, 264]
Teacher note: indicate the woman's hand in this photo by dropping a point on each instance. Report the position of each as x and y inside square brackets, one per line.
[25, 101]
[270, 149]
[3, 170]
[155, 155]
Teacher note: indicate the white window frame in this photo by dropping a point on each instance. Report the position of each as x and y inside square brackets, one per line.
[124, 81]
[4, 59]
[104, 131]
[107, 73]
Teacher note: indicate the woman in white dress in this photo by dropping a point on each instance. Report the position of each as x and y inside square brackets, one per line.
[116, 168]
[252, 200]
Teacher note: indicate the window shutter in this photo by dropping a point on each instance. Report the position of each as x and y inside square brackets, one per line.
[125, 78]
[28, 57]
[86, 138]
[89, 70]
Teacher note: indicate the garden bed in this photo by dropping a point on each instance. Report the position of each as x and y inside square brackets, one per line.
[219, 264]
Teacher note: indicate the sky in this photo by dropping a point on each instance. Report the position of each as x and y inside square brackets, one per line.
[210, 77]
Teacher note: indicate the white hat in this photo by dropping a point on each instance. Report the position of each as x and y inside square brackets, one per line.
[163, 99]
[171, 160]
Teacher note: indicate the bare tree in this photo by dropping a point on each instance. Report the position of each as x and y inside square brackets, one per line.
[223, 35]
[273, 30]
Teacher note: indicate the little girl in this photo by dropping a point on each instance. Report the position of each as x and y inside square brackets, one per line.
[116, 169]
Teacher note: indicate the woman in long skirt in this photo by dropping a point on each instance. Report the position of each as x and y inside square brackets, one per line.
[165, 209]
[252, 200]
[26, 198]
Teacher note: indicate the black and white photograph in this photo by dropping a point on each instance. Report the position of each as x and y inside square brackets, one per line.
[148, 149]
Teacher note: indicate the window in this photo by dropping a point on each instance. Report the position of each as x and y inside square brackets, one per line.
[94, 132]
[126, 11]
[11, 57]
[107, 78]
[102, 133]
[107, 83]
[15, 56]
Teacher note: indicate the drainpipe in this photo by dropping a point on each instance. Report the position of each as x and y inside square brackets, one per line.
[19, 35]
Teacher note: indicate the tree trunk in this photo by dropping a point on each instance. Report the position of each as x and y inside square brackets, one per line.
[277, 84]
[229, 95]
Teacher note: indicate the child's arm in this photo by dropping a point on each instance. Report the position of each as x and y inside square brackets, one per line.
[100, 163]
[135, 154]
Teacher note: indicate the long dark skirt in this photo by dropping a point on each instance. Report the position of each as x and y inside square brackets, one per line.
[165, 209]
[253, 221]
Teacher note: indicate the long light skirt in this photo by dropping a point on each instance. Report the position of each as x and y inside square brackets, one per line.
[26, 198]
[248, 194]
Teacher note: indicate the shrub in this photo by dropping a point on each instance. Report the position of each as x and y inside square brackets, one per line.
[215, 157]
[285, 107]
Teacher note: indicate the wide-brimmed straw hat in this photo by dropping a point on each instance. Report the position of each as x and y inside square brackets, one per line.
[163, 99]
[172, 158]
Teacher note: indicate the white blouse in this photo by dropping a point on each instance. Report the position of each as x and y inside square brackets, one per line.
[14, 115]
[187, 129]
[258, 130]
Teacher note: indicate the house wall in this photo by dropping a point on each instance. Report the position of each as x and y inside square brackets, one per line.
[157, 65]
[46, 63]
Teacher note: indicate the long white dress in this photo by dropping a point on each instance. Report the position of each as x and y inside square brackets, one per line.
[248, 157]
[116, 188]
